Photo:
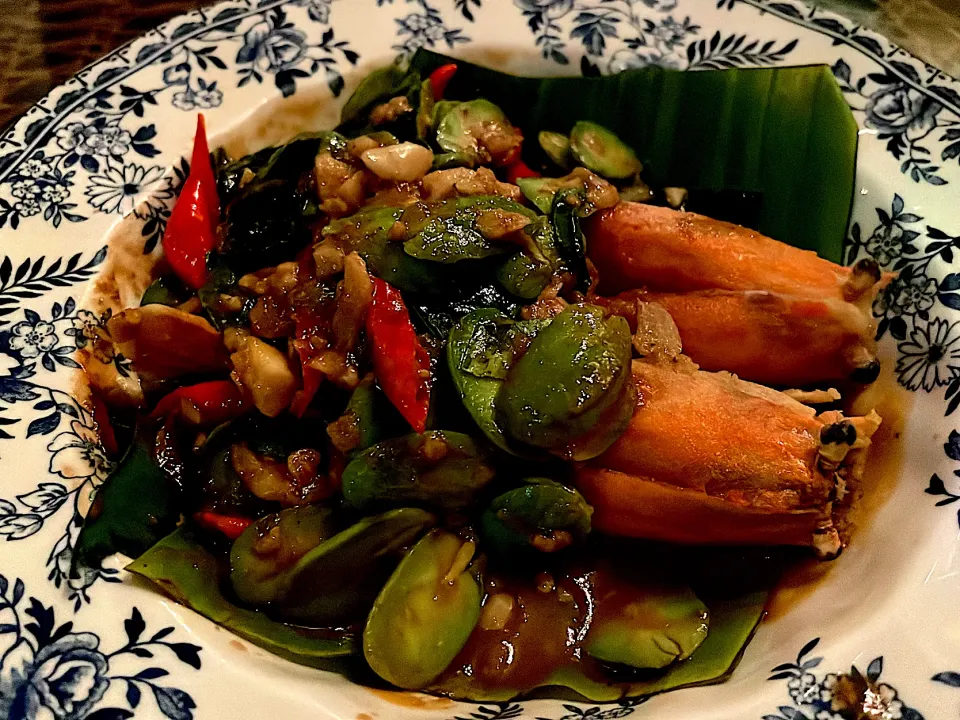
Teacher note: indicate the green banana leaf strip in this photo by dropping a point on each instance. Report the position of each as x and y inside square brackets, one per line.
[136, 506]
[186, 571]
[785, 132]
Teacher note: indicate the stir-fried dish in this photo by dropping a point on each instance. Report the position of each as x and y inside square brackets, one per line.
[458, 410]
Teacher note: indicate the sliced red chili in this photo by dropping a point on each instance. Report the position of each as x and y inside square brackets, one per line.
[230, 525]
[202, 169]
[191, 231]
[440, 78]
[312, 321]
[208, 403]
[518, 169]
[312, 380]
[401, 364]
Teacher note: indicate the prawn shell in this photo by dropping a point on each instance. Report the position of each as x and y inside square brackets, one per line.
[709, 458]
[765, 337]
[632, 506]
[634, 245]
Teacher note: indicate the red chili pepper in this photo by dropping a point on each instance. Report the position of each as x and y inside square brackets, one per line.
[312, 380]
[399, 360]
[230, 525]
[192, 228]
[202, 169]
[208, 403]
[519, 169]
[310, 323]
[440, 78]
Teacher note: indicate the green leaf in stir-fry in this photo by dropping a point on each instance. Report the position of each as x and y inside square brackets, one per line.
[136, 506]
[297, 156]
[187, 572]
[440, 470]
[166, 290]
[223, 301]
[376, 88]
[437, 314]
[367, 233]
[267, 224]
[278, 437]
[571, 243]
[476, 358]
[286, 161]
[785, 132]
[269, 201]
[463, 228]
[231, 174]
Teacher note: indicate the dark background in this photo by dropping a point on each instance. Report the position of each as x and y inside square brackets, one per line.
[44, 42]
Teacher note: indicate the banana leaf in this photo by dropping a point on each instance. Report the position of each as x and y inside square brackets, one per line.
[784, 132]
[186, 571]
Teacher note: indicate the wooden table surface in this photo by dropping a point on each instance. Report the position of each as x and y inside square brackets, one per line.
[44, 42]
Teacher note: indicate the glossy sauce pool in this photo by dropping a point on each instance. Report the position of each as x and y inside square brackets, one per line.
[883, 470]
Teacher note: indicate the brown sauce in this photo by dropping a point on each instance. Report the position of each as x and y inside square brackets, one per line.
[885, 461]
[883, 470]
[542, 633]
[418, 701]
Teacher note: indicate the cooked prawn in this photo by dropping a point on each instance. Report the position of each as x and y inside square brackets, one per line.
[710, 458]
[743, 302]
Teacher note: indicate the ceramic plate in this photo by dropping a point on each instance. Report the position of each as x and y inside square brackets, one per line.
[87, 178]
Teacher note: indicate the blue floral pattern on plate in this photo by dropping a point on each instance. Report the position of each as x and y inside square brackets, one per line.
[837, 696]
[48, 670]
[102, 134]
[100, 148]
[918, 116]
